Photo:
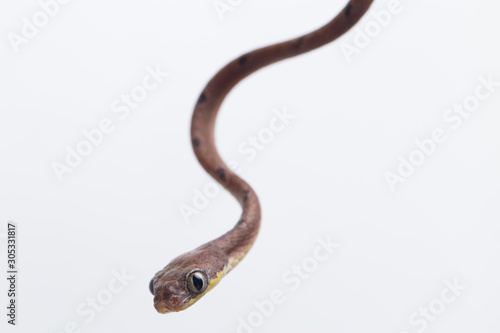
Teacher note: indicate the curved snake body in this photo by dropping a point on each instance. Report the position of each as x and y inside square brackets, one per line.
[190, 276]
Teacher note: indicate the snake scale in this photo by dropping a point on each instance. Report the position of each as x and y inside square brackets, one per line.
[190, 276]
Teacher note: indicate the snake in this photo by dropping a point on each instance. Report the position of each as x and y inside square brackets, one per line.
[190, 276]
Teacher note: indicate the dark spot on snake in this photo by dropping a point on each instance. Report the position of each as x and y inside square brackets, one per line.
[348, 10]
[221, 173]
[202, 98]
[240, 222]
[196, 142]
[299, 42]
[243, 60]
[245, 198]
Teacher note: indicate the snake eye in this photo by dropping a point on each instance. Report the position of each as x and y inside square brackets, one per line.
[151, 287]
[197, 282]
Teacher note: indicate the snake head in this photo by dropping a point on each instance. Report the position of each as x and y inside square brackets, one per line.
[187, 278]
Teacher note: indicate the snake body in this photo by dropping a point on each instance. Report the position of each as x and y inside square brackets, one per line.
[190, 276]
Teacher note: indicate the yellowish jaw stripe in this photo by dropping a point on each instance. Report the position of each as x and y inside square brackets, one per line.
[211, 285]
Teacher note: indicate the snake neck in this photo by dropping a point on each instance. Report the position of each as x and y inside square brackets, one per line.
[238, 241]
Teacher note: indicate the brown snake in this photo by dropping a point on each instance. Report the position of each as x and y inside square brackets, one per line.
[190, 276]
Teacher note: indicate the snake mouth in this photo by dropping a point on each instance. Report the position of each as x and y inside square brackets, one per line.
[162, 309]
[168, 304]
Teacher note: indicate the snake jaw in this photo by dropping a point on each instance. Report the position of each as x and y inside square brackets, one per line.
[170, 296]
[162, 308]
[166, 303]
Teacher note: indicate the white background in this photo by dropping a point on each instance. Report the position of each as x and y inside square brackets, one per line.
[324, 175]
